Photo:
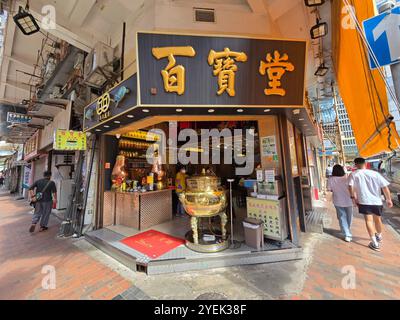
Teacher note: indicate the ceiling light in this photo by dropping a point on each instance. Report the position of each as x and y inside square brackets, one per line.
[98, 130]
[130, 116]
[319, 30]
[106, 127]
[211, 111]
[301, 119]
[146, 110]
[179, 110]
[267, 110]
[26, 22]
[117, 122]
[321, 71]
[296, 111]
[313, 3]
[240, 110]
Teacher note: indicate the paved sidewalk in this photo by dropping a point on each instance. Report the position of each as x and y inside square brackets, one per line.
[23, 257]
[83, 272]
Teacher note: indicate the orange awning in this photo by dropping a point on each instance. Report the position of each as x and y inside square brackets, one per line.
[363, 90]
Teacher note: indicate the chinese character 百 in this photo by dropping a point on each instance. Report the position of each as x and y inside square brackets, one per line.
[225, 68]
[275, 67]
[173, 75]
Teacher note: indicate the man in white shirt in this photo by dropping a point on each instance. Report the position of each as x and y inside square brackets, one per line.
[366, 187]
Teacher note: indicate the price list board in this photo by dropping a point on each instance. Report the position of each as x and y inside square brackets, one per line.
[268, 211]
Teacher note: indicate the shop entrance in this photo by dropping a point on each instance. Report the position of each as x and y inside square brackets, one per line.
[141, 200]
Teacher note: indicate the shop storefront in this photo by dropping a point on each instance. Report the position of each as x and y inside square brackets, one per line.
[230, 111]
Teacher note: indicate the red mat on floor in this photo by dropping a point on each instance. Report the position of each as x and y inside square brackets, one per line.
[153, 243]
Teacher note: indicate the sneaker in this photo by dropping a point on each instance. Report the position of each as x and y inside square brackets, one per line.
[348, 239]
[32, 228]
[43, 229]
[374, 247]
[379, 238]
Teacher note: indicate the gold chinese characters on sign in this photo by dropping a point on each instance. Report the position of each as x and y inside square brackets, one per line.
[173, 75]
[225, 68]
[275, 67]
[103, 107]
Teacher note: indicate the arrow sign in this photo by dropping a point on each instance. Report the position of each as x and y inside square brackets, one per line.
[383, 34]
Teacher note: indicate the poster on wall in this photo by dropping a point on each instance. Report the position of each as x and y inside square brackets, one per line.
[269, 149]
[66, 140]
[269, 211]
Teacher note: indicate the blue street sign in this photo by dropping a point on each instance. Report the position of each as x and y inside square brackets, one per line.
[383, 34]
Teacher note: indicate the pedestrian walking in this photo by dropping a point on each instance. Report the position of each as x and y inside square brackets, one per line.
[1, 180]
[366, 187]
[338, 185]
[43, 195]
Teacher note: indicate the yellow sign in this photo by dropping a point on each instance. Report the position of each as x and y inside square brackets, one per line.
[173, 75]
[142, 135]
[103, 106]
[275, 67]
[225, 68]
[66, 140]
[269, 212]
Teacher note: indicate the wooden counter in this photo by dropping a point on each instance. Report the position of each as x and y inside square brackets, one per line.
[137, 210]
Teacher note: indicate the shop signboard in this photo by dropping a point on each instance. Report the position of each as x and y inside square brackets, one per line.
[18, 118]
[31, 147]
[199, 70]
[66, 140]
[269, 211]
[111, 104]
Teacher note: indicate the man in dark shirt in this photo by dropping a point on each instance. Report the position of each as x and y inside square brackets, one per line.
[44, 205]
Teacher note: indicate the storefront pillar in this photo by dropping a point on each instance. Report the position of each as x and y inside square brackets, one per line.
[293, 217]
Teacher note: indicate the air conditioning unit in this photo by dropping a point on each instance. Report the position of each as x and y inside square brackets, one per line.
[98, 65]
[63, 160]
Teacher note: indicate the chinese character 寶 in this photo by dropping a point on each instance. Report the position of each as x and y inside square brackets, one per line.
[173, 75]
[225, 68]
[275, 67]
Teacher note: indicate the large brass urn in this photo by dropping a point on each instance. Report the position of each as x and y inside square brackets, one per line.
[204, 198]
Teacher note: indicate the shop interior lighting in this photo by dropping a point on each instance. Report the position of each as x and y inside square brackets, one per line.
[313, 3]
[179, 110]
[321, 71]
[117, 122]
[211, 111]
[146, 110]
[296, 111]
[130, 116]
[319, 30]
[26, 22]
[240, 110]
[267, 110]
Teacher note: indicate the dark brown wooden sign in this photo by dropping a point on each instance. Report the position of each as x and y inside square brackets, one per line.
[188, 70]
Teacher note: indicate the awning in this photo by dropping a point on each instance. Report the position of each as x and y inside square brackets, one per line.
[363, 90]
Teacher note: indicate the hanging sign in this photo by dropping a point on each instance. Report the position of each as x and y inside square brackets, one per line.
[18, 118]
[65, 140]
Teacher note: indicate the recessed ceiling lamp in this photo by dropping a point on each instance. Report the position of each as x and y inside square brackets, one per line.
[117, 122]
[179, 110]
[319, 30]
[146, 110]
[321, 71]
[211, 111]
[240, 110]
[98, 130]
[267, 110]
[106, 126]
[25, 21]
[296, 111]
[313, 3]
[130, 116]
